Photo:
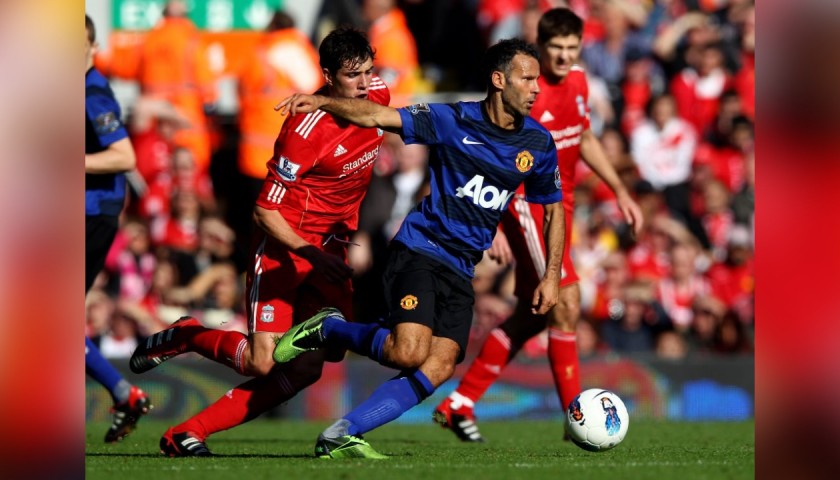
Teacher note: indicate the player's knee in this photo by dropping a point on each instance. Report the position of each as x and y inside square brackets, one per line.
[257, 363]
[439, 370]
[409, 356]
[258, 368]
[566, 315]
[445, 372]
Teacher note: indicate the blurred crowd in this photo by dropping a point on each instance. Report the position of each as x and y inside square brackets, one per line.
[673, 101]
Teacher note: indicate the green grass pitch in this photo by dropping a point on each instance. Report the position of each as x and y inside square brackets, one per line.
[272, 449]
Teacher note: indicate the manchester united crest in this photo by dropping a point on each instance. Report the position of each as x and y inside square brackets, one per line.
[524, 161]
[408, 302]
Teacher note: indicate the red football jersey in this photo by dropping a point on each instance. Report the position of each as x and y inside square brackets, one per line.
[321, 169]
[563, 109]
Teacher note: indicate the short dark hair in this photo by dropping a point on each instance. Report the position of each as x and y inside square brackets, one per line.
[653, 100]
[558, 22]
[91, 29]
[498, 57]
[743, 121]
[344, 46]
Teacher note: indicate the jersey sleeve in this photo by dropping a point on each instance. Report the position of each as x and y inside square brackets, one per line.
[422, 121]
[104, 114]
[293, 158]
[543, 185]
[584, 105]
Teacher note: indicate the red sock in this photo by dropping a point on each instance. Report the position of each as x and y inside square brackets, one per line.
[487, 366]
[562, 355]
[239, 405]
[222, 346]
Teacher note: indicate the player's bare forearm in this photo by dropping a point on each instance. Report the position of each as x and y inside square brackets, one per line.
[363, 113]
[117, 158]
[593, 154]
[554, 233]
[547, 293]
[273, 223]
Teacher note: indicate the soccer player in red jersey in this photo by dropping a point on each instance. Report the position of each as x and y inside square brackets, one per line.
[562, 108]
[306, 212]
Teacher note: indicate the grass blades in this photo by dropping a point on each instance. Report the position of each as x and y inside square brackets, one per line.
[273, 449]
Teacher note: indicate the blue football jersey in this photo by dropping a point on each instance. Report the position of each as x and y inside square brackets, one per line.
[476, 168]
[104, 193]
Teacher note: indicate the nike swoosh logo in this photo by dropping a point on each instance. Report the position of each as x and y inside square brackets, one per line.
[467, 141]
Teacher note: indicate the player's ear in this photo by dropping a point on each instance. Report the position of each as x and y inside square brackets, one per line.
[498, 79]
[328, 78]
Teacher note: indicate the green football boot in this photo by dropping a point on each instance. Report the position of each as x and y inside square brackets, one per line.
[304, 337]
[346, 446]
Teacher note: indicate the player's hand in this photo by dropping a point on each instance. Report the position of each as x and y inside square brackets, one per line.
[299, 103]
[332, 267]
[500, 249]
[632, 213]
[360, 256]
[545, 296]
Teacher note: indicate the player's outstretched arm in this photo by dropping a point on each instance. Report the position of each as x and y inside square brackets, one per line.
[593, 154]
[554, 231]
[117, 158]
[363, 113]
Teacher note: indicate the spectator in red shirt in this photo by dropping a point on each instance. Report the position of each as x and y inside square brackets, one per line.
[717, 218]
[730, 143]
[153, 124]
[180, 174]
[179, 229]
[683, 285]
[650, 258]
[698, 88]
[132, 261]
[610, 288]
[732, 280]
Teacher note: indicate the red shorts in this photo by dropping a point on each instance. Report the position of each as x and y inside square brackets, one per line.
[282, 290]
[523, 226]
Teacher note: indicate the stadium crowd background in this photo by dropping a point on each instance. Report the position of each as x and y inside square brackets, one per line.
[673, 101]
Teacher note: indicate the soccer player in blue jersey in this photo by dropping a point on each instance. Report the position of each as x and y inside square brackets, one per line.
[480, 153]
[108, 155]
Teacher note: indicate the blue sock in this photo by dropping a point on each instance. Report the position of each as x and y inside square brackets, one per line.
[389, 401]
[363, 338]
[103, 372]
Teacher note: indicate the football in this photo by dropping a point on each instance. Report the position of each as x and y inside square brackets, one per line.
[597, 420]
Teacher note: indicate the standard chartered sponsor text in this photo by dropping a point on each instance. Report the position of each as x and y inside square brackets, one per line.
[567, 137]
[365, 158]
